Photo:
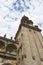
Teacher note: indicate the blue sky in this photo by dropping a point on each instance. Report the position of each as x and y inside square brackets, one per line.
[11, 12]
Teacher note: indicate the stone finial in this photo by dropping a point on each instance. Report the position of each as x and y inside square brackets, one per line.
[11, 38]
[5, 36]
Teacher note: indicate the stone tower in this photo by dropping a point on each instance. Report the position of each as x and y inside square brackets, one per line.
[30, 50]
[26, 49]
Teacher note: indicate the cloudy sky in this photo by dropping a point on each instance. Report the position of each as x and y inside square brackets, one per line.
[11, 12]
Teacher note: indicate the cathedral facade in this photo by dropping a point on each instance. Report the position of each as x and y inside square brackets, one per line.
[25, 49]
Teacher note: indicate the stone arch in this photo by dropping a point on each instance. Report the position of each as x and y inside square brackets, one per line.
[2, 44]
[11, 48]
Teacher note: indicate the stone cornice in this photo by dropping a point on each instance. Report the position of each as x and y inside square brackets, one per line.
[8, 56]
[32, 27]
[6, 39]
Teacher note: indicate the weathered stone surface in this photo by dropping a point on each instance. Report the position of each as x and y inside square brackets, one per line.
[26, 49]
[32, 43]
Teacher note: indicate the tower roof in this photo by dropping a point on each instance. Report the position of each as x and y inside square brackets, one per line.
[26, 23]
[25, 19]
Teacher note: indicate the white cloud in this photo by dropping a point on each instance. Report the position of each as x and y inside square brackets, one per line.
[10, 17]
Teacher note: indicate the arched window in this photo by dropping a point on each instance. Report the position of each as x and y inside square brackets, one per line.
[11, 48]
[2, 44]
